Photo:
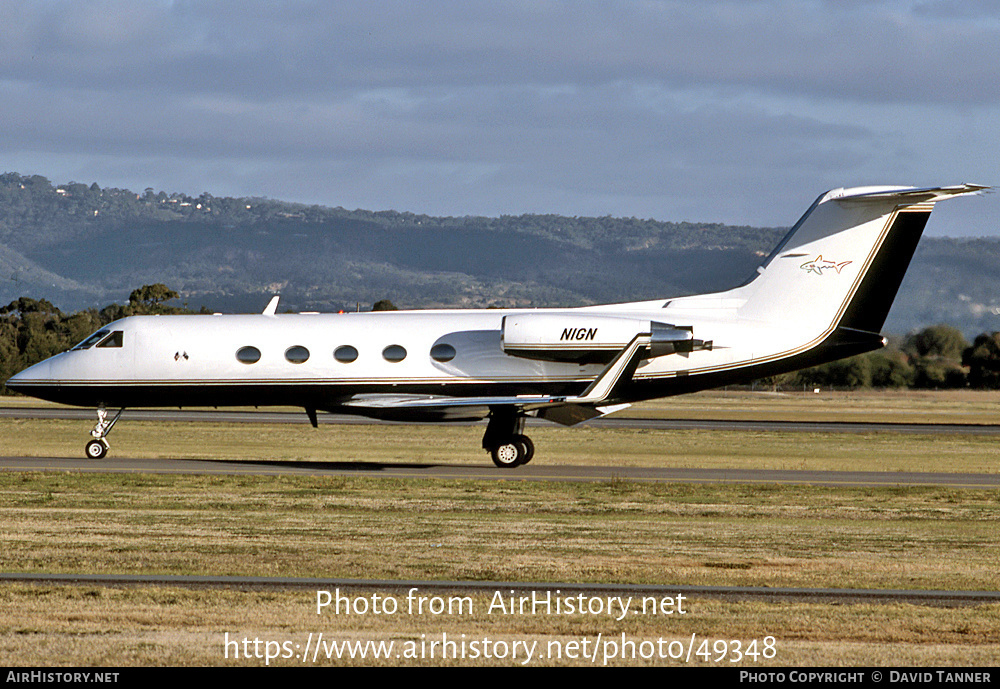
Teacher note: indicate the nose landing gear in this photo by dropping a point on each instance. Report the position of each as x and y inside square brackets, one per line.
[98, 447]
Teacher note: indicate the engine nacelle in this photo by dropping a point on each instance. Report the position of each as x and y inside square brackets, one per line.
[589, 339]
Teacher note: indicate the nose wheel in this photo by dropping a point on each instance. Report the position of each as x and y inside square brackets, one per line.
[98, 447]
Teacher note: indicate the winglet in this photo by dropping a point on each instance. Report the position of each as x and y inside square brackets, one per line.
[272, 306]
[617, 373]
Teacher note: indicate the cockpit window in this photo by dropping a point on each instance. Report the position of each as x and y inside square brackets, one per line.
[115, 339]
[92, 340]
[103, 338]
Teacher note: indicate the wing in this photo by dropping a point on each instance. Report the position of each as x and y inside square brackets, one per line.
[598, 399]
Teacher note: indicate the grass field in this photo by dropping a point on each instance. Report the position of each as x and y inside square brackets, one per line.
[583, 445]
[876, 451]
[615, 531]
[886, 406]
[81, 626]
[889, 406]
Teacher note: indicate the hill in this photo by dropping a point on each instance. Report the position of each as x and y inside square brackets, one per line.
[79, 245]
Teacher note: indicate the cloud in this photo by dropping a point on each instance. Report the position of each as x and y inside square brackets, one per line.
[265, 50]
[665, 109]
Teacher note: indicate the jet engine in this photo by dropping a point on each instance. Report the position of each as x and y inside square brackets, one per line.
[590, 339]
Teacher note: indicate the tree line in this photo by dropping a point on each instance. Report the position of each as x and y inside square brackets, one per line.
[938, 356]
[935, 357]
[32, 330]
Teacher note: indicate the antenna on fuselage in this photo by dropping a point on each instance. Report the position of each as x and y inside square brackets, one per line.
[272, 306]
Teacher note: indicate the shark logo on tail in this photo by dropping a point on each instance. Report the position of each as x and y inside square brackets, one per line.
[819, 265]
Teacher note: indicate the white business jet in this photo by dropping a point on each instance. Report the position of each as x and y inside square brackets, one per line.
[822, 294]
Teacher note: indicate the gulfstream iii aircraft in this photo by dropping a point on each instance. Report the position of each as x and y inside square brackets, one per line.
[821, 295]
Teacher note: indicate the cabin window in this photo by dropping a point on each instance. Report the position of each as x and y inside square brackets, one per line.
[394, 353]
[248, 355]
[297, 354]
[115, 339]
[92, 340]
[443, 352]
[345, 354]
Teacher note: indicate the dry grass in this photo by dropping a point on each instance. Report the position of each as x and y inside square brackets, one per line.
[931, 538]
[555, 445]
[80, 626]
[619, 531]
[885, 406]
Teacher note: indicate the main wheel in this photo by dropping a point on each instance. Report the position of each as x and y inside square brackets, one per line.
[527, 448]
[507, 455]
[96, 449]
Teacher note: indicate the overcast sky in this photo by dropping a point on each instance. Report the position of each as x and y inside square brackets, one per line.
[735, 112]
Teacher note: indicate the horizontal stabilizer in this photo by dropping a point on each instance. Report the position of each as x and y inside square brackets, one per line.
[911, 195]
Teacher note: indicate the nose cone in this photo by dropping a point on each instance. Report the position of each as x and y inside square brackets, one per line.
[31, 376]
[36, 381]
[64, 378]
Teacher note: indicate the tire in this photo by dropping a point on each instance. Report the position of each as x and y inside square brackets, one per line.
[96, 449]
[507, 455]
[527, 448]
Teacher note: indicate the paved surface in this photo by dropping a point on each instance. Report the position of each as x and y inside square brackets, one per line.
[765, 593]
[259, 416]
[486, 470]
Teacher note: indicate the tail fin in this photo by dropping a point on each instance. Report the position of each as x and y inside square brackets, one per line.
[841, 265]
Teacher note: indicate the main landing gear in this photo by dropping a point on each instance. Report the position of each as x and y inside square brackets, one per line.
[505, 440]
[98, 447]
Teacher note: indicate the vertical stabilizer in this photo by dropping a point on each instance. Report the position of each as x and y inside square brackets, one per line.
[842, 263]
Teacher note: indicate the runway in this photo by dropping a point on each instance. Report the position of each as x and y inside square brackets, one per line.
[486, 471]
[729, 593]
[291, 417]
